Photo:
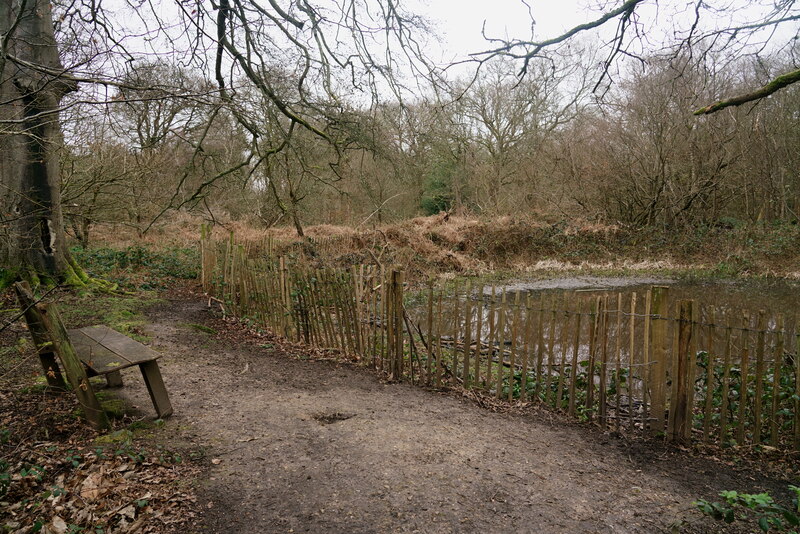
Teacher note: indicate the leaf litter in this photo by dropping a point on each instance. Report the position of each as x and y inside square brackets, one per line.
[57, 477]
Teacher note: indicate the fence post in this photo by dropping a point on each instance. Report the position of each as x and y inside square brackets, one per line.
[286, 300]
[594, 326]
[680, 419]
[396, 324]
[658, 344]
[244, 290]
[357, 275]
[429, 331]
[797, 388]
[203, 267]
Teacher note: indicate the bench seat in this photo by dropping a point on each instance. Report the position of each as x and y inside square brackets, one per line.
[105, 352]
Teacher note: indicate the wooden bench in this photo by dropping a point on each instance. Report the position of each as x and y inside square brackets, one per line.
[86, 352]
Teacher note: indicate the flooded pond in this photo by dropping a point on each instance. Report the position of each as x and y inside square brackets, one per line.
[712, 357]
[775, 297]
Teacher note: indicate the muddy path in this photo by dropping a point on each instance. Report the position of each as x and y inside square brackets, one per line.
[297, 445]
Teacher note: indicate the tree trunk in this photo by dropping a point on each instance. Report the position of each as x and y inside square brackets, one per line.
[32, 239]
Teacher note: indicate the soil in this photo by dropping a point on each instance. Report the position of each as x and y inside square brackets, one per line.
[296, 444]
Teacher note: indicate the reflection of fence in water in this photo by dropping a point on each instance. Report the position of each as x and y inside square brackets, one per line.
[633, 361]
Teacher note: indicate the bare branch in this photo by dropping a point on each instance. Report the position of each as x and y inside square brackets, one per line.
[775, 85]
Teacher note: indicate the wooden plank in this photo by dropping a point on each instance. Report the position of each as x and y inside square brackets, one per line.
[647, 397]
[602, 400]
[439, 368]
[777, 364]
[203, 258]
[73, 367]
[492, 334]
[551, 359]
[692, 370]
[501, 337]
[539, 348]
[41, 339]
[387, 332]
[797, 388]
[513, 356]
[574, 364]
[286, 303]
[244, 297]
[335, 312]
[429, 325]
[467, 334]
[321, 313]
[315, 319]
[757, 409]
[618, 365]
[341, 326]
[456, 330]
[397, 324]
[478, 337]
[120, 344]
[631, 360]
[156, 388]
[385, 307]
[375, 308]
[311, 310]
[363, 314]
[726, 380]
[658, 377]
[332, 313]
[710, 385]
[346, 283]
[672, 398]
[99, 359]
[681, 421]
[354, 295]
[276, 300]
[526, 353]
[745, 367]
[594, 326]
[564, 349]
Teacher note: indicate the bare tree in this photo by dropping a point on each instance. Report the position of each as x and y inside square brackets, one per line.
[697, 28]
[32, 84]
[323, 48]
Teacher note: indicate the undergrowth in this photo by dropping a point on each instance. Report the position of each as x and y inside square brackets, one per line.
[760, 508]
[139, 267]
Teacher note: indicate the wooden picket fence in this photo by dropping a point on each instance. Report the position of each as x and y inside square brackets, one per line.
[632, 362]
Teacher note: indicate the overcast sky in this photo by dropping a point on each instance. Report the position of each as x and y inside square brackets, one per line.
[460, 21]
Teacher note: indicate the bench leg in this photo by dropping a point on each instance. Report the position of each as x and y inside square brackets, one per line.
[156, 388]
[114, 379]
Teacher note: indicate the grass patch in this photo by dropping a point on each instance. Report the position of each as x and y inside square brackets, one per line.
[122, 313]
[114, 407]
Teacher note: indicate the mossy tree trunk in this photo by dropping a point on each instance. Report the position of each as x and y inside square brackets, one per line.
[32, 84]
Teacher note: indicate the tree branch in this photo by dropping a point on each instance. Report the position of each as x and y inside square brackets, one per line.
[775, 85]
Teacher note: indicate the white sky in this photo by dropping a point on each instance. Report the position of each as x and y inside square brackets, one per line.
[460, 21]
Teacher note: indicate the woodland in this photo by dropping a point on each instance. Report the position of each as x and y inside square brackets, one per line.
[296, 116]
[283, 199]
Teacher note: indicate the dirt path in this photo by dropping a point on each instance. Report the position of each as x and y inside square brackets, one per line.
[310, 446]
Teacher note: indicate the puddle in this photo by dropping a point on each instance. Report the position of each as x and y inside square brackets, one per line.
[328, 418]
[581, 282]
